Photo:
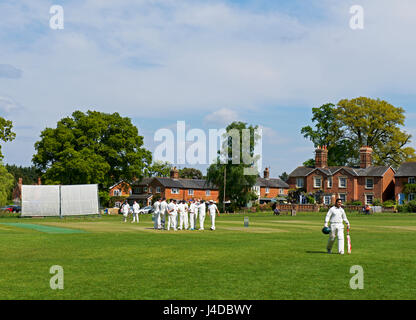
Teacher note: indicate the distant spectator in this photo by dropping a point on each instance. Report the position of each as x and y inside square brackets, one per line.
[367, 209]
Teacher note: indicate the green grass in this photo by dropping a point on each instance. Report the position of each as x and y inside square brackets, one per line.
[276, 257]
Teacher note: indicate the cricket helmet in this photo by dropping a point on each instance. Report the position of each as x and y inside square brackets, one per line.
[326, 230]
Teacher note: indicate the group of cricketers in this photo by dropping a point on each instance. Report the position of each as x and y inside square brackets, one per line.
[180, 214]
[187, 213]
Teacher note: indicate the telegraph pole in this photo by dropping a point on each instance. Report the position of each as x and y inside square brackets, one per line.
[225, 180]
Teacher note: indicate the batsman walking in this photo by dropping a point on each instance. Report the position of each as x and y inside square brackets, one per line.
[336, 216]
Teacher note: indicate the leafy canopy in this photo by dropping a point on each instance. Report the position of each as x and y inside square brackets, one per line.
[6, 133]
[92, 147]
[360, 122]
[238, 184]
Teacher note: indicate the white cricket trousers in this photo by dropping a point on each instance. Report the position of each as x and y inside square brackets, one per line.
[337, 230]
[161, 221]
[172, 221]
[183, 220]
[156, 222]
[201, 221]
[135, 217]
[212, 221]
[192, 219]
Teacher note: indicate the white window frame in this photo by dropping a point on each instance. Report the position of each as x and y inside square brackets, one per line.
[366, 199]
[267, 190]
[411, 179]
[300, 180]
[411, 197]
[174, 191]
[314, 181]
[157, 189]
[345, 197]
[339, 182]
[372, 184]
[329, 183]
[281, 191]
[190, 192]
[117, 192]
[207, 192]
[329, 200]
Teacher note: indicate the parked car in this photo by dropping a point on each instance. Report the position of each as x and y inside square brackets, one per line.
[12, 208]
[146, 210]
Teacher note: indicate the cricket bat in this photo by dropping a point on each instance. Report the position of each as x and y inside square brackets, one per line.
[348, 241]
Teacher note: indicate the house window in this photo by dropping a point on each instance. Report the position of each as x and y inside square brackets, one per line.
[256, 189]
[282, 191]
[342, 182]
[369, 183]
[144, 189]
[343, 197]
[368, 199]
[411, 180]
[137, 190]
[207, 192]
[157, 189]
[327, 200]
[329, 182]
[150, 189]
[117, 192]
[174, 191]
[411, 196]
[267, 190]
[317, 182]
[191, 192]
[299, 183]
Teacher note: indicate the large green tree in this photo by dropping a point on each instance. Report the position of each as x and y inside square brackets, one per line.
[190, 173]
[230, 165]
[6, 133]
[358, 122]
[92, 147]
[158, 169]
[6, 184]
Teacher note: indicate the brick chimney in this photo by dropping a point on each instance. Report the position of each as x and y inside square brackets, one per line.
[366, 158]
[266, 173]
[174, 173]
[321, 157]
[39, 181]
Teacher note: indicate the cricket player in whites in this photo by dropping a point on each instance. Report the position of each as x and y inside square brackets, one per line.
[163, 210]
[201, 209]
[172, 212]
[136, 209]
[156, 214]
[125, 210]
[336, 216]
[192, 217]
[212, 209]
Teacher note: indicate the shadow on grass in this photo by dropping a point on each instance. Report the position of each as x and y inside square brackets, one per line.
[317, 252]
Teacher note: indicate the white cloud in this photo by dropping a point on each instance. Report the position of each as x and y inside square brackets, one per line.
[8, 105]
[222, 116]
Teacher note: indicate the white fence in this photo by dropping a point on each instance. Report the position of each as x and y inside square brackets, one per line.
[58, 201]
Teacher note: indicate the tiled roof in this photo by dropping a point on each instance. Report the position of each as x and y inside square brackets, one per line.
[406, 169]
[372, 171]
[185, 183]
[271, 183]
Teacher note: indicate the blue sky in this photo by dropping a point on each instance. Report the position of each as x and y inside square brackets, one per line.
[204, 62]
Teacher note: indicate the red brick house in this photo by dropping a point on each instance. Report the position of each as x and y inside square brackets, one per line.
[406, 174]
[364, 184]
[17, 191]
[172, 188]
[268, 188]
[120, 189]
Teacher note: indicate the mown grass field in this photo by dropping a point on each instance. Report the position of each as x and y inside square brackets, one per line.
[279, 258]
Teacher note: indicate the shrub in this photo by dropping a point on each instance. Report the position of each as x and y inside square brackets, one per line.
[354, 203]
[377, 202]
[411, 206]
[389, 204]
[402, 208]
